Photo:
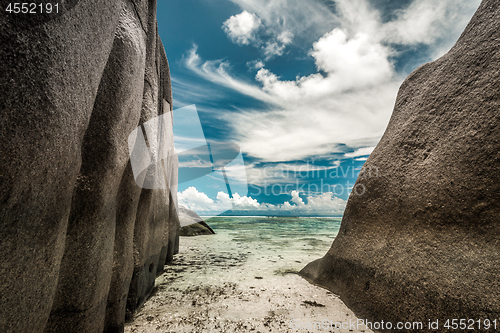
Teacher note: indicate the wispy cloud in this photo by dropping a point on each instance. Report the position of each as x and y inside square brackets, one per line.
[360, 152]
[217, 71]
[350, 98]
[293, 173]
[303, 19]
[312, 114]
[243, 29]
[428, 21]
[187, 92]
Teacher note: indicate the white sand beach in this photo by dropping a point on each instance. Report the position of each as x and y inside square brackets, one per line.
[216, 284]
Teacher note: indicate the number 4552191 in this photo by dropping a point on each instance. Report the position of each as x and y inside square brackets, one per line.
[32, 8]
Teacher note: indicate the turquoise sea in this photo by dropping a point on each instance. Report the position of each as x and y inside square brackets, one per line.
[279, 232]
[268, 246]
[272, 244]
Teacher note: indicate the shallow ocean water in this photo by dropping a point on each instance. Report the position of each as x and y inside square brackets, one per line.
[243, 279]
[286, 243]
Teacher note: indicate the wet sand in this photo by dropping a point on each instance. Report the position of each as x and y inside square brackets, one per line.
[215, 285]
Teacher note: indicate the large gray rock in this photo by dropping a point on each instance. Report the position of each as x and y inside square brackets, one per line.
[423, 241]
[75, 227]
[196, 229]
[188, 216]
[192, 224]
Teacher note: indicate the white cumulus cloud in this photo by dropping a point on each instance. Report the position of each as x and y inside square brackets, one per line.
[193, 199]
[352, 62]
[241, 28]
[323, 204]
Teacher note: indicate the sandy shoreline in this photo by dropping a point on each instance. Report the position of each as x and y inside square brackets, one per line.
[215, 286]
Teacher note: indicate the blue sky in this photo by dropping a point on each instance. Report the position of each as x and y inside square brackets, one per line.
[304, 88]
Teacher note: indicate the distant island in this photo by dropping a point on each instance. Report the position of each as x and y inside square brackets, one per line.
[234, 213]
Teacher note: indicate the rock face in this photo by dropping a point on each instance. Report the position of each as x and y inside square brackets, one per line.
[423, 241]
[78, 235]
[187, 216]
[196, 229]
[192, 224]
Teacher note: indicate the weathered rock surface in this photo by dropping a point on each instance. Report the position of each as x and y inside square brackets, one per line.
[192, 224]
[196, 229]
[77, 233]
[188, 216]
[423, 242]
